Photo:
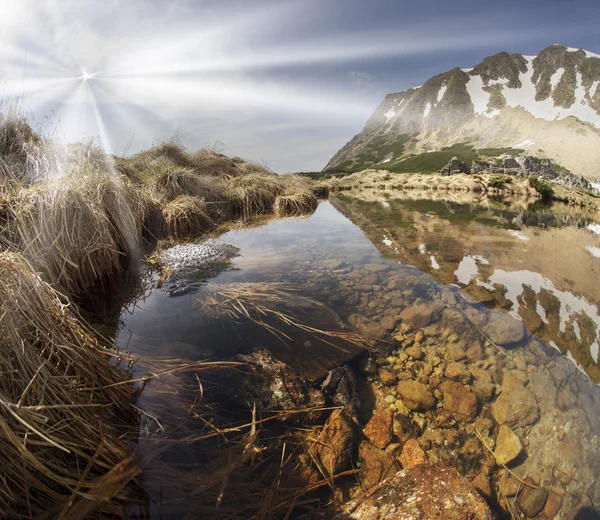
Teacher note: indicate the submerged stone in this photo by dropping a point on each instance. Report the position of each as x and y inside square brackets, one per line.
[416, 396]
[412, 454]
[508, 446]
[333, 446]
[422, 491]
[516, 407]
[374, 464]
[379, 429]
[533, 503]
[459, 400]
[505, 330]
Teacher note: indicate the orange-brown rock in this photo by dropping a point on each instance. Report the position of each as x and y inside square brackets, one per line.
[412, 454]
[379, 429]
[374, 464]
[459, 400]
[332, 449]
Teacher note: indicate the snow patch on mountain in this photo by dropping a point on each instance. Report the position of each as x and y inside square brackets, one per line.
[556, 77]
[389, 115]
[441, 93]
[479, 97]
[525, 144]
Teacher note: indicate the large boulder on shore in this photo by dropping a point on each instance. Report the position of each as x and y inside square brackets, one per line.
[420, 492]
[455, 166]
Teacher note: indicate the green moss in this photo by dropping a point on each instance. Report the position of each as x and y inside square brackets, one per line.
[432, 162]
[499, 181]
[542, 187]
[492, 152]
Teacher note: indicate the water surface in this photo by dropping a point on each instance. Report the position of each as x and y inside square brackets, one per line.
[513, 286]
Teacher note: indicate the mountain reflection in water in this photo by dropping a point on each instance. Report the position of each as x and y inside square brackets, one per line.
[535, 262]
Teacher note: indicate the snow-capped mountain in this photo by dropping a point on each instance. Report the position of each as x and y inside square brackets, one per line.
[547, 105]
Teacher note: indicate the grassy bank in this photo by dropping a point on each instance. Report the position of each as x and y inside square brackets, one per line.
[73, 221]
[484, 183]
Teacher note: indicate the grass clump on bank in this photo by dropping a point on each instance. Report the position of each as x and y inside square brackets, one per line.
[295, 204]
[185, 217]
[60, 402]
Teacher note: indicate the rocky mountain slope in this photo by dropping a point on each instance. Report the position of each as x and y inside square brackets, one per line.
[546, 105]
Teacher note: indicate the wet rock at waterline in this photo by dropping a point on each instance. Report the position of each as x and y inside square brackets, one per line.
[421, 491]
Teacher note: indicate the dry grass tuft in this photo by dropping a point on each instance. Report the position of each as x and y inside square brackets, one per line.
[77, 230]
[169, 182]
[295, 205]
[255, 194]
[185, 217]
[320, 190]
[17, 141]
[59, 398]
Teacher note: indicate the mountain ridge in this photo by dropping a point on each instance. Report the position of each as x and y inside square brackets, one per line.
[547, 105]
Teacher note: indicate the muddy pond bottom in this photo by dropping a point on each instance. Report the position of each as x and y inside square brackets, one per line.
[469, 329]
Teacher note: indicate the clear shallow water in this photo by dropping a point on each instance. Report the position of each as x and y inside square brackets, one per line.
[367, 262]
[534, 265]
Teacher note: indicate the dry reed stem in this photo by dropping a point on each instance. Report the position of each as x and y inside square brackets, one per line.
[258, 301]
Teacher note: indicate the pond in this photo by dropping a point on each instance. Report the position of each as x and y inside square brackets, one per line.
[492, 307]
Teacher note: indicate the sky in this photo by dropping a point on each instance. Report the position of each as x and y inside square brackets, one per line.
[283, 83]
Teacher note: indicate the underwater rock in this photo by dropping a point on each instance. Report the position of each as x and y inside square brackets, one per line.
[516, 406]
[419, 316]
[533, 502]
[272, 385]
[371, 330]
[459, 400]
[416, 396]
[333, 447]
[508, 446]
[404, 427]
[379, 429]
[422, 491]
[412, 454]
[374, 464]
[505, 330]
